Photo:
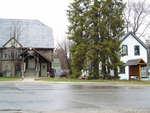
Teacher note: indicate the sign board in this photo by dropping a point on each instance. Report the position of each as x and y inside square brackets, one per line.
[56, 64]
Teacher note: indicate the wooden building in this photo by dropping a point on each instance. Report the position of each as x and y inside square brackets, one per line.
[26, 56]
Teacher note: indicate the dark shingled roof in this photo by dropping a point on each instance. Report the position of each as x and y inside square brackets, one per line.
[135, 62]
[38, 52]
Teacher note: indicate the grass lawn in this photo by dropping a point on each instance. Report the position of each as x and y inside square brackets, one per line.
[126, 82]
[99, 80]
[10, 79]
[130, 82]
[66, 80]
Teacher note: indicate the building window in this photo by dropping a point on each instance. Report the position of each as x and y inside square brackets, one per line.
[124, 49]
[19, 53]
[12, 53]
[5, 54]
[136, 50]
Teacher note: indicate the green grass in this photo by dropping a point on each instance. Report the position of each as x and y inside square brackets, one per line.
[99, 80]
[118, 82]
[67, 80]
[10, 79]
[130, 82]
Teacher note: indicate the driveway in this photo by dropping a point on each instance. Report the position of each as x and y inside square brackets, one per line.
[44, 97]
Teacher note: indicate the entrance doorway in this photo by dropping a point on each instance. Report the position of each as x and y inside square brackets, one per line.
[31, 63]
[135, 68]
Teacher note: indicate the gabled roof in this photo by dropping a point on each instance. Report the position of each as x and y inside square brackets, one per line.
[135, 62]
[140, 41]
[33, 49]
[31, 33]
[10, 40]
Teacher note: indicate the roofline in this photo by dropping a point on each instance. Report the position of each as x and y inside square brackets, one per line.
[17, 19]
[10, 40]
[21, 19]
[138, 61]
[28, 47]
[39, 47]
[36, 52]
[140, 41]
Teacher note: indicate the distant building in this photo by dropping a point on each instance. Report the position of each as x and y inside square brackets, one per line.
[135, 58]
[26, 48]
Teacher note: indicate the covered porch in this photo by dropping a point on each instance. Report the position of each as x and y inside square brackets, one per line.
[35, 64]
[135, 68]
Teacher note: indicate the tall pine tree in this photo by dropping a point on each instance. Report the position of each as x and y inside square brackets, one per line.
[96, 27]
[77, 33]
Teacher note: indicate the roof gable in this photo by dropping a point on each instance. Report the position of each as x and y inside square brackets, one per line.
[12, 43]
[28, 50]
[135, 37]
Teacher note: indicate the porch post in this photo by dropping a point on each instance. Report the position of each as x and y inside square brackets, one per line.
[22, 69]
[37, 75]
[129, 72]
[139, 72]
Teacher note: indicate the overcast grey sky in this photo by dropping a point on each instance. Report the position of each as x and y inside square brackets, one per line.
[50, 12]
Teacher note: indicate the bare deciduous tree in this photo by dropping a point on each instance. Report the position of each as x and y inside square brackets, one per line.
[16, 29]
[63, 53]
[137, 17]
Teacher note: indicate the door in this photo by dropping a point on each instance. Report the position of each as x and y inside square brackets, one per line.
[44, 69]
[31, 63]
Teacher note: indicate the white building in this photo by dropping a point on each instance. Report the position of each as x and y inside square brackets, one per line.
[135, 54]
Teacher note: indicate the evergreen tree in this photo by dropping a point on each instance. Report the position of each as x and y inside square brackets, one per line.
[95, 27]
[77, 32]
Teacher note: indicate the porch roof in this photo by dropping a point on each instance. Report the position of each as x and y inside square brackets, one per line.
[43, 56]
[135, 62]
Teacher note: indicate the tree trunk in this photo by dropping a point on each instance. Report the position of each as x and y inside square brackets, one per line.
[104, 70]
[116, 73]
[95, 69]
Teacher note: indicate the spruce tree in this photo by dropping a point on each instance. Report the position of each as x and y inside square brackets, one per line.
[95, 28]
[77, 33]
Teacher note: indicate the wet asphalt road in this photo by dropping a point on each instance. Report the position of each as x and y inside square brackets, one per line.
[42, 97]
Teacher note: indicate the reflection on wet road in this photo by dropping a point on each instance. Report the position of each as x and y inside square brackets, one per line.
[65, 97]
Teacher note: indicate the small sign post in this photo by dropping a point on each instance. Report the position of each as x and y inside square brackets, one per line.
[56, 65]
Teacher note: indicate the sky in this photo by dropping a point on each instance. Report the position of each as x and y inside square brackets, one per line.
[49, 12]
